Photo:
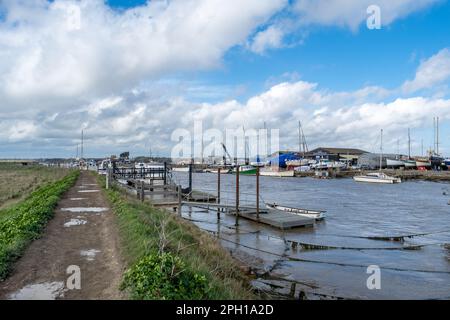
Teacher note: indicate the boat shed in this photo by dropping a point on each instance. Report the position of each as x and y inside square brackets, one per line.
[336, 154]
[372, 160]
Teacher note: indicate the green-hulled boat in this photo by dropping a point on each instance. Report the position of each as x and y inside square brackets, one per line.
[246, 170]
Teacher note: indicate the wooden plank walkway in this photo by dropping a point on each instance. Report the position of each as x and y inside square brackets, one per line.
[276, 218]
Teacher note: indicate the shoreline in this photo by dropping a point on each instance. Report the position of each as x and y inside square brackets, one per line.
[436, 176]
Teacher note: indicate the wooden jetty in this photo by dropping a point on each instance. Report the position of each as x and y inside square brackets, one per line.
[157, 186]
[276, 218]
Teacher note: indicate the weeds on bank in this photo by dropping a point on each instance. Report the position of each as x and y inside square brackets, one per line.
[170, 258]
[22, 223]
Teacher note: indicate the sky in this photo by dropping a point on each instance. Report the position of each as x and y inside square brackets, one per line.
[131, 72]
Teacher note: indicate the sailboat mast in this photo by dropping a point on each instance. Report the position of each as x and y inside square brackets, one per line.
[82, 144]
[437, 136]
[409, 144]
[381, 150]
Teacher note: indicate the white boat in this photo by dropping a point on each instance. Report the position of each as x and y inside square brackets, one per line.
[323, 164]
[180, 169]
[423, 162]
[279, 174]
[298, 162]
[216, 171]
[315, 214]
[377, 177]
[395, 163]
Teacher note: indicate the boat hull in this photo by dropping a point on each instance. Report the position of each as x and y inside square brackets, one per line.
[317, 215]
[278, 174]
[394, 163]
[424, 164]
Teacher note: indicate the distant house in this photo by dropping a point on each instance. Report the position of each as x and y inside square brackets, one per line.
[336, 154]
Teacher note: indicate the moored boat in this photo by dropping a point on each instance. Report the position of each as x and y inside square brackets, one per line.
[246, 170]
[315, 214]
[279, 174]
[377, 177]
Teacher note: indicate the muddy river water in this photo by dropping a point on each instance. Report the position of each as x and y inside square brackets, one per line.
[416, 268]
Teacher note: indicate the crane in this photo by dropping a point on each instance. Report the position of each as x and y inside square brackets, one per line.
[226, 152]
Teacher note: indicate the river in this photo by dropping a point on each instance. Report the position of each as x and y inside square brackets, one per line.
[355, 211]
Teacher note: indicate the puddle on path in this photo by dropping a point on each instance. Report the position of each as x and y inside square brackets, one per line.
[85, 209]
[77, 199]
[88, 191]
[89, 254]
[74, 222]
[40, 291]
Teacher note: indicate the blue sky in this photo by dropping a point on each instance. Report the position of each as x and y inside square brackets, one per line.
[130, 78]
[335, 57]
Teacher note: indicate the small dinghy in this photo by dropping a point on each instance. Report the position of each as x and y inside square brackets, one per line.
[316, 214]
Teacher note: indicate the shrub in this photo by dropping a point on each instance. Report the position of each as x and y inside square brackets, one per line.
[164, 277]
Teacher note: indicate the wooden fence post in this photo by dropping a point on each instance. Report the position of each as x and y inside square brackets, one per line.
[179, 200]
[237, 195]
[257, 193]
[218, 193]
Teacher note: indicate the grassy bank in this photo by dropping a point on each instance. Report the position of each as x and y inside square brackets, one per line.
[17, 181]
[169, 258]
[23, 222]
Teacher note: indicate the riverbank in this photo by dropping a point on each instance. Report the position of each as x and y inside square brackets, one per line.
[438, 176]
[25, 221]
[169, 258]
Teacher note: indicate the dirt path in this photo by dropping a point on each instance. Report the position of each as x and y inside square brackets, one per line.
[88, 240]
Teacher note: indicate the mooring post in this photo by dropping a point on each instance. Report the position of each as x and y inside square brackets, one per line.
[237, 195]
[165, 173]
[218, 193]
[179, 199]
[257, 193]
[190, 177]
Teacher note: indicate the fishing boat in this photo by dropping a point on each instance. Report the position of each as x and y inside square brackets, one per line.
[377, 177]
[246, 170]
[315, 214]
[180, 169]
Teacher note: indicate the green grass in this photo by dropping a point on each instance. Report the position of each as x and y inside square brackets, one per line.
[169, 258]
[17, 181]
[23, 222]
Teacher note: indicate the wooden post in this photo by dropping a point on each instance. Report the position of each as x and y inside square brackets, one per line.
[218, 193]
[107, 180]
[190, 177]
[179, 199]
[165, 173]
[142, 191]
[237, 195]
[257, 193]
